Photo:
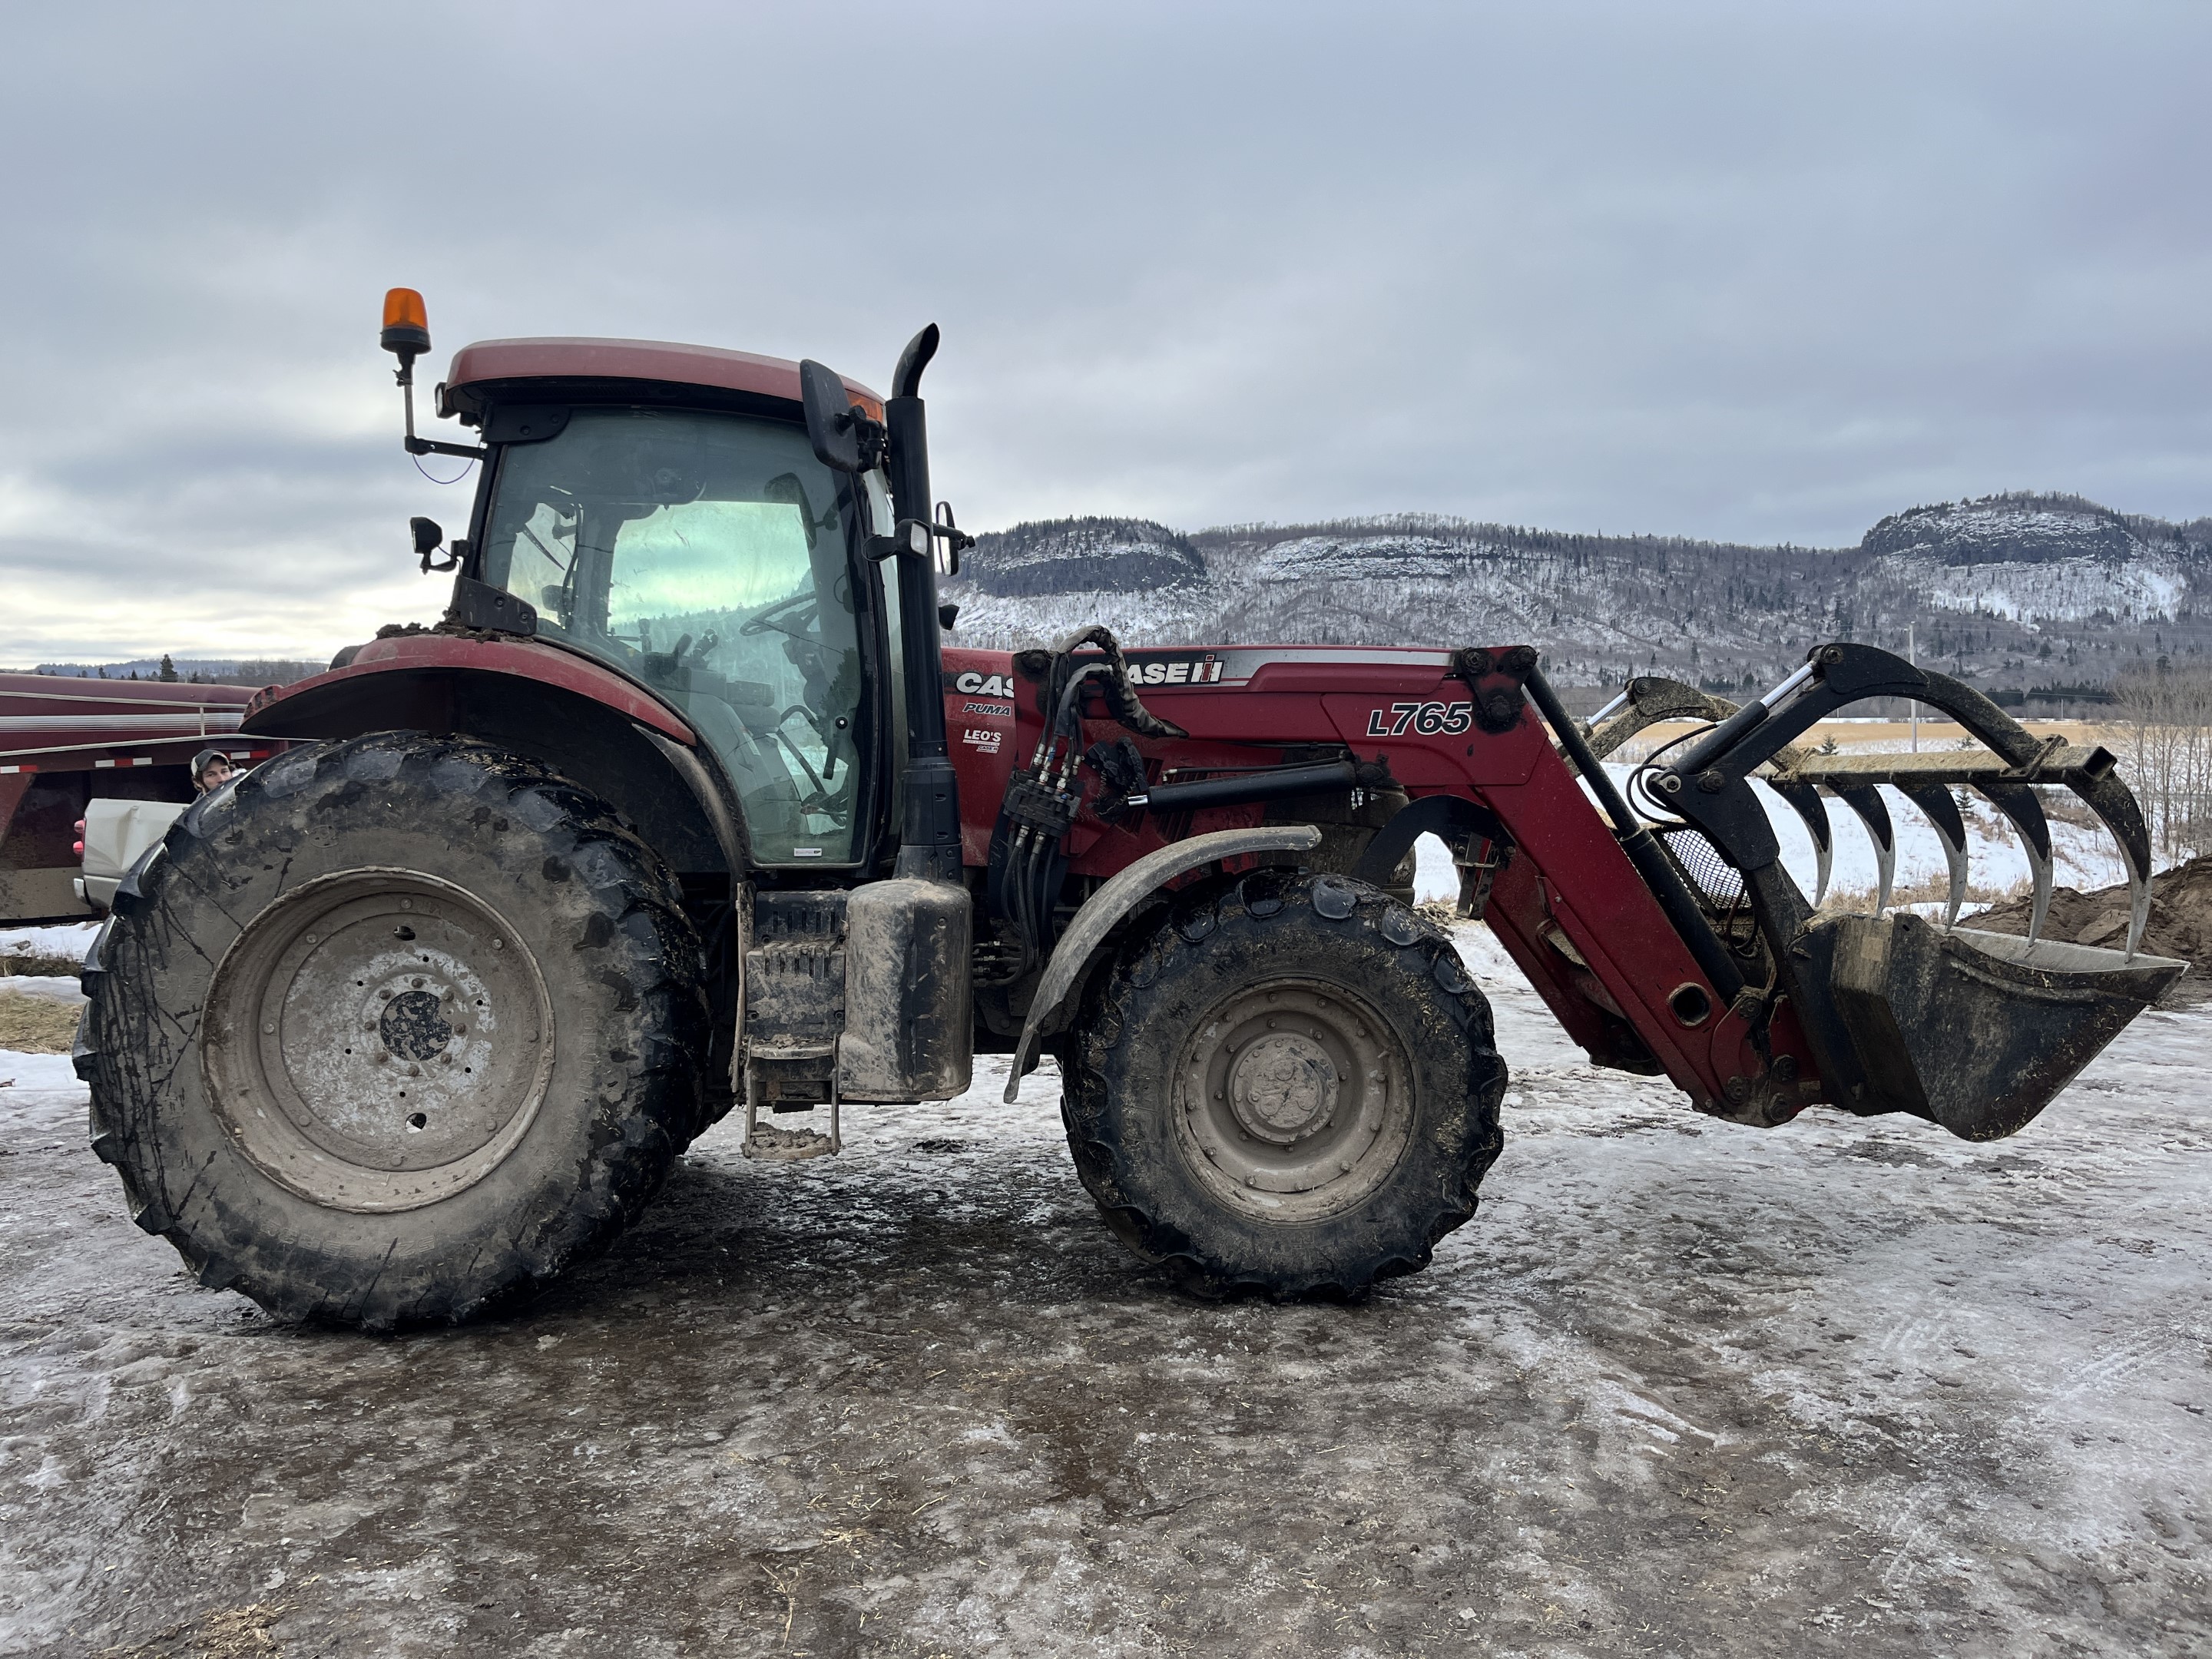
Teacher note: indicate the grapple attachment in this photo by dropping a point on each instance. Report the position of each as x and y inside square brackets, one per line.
[1974, 1030]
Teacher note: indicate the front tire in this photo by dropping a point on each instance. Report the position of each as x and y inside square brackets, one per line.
[1291, 1088]
[394, 1031]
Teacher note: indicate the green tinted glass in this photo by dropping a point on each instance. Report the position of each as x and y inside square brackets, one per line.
[705, 555]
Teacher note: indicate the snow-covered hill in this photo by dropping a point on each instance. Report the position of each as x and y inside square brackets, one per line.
[2013, 591]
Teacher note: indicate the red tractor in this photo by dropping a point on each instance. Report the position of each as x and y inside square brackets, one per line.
[661, 821]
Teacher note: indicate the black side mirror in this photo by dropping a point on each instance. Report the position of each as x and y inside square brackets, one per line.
[428, 534]
[844, 440]
[956, 539]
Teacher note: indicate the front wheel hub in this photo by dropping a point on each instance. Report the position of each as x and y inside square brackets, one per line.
[1283, 1087]
[377, 1040]
[1294, 1101]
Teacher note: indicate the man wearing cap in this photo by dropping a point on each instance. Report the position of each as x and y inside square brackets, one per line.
[211, 769]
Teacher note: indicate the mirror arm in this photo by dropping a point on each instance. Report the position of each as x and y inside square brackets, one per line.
[410, 443]
[434, 448]
[431, 447]
[874, 440]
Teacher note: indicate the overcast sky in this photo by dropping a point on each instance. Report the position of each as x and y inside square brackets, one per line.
[1752, 271]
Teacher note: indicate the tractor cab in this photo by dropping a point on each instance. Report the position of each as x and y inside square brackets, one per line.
[660, 509]
[709, 556]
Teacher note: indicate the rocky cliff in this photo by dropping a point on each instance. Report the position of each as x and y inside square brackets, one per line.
[2014, 591]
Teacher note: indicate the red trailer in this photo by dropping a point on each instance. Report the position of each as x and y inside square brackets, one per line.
[66, 742]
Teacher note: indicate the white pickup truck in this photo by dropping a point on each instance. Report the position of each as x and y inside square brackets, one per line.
[115, 835]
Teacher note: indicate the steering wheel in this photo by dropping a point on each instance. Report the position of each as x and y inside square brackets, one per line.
[772, 618]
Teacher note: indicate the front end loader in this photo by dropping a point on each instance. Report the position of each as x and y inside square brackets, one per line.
[684, 809]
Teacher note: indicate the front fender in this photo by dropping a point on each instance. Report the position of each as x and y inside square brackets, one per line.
[1123, 893]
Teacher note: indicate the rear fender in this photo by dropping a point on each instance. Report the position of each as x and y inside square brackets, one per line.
[596, 728]
[1087, 933]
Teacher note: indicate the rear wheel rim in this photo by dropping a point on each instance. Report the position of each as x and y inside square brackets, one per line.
[1293, 1101]
[377, 1040]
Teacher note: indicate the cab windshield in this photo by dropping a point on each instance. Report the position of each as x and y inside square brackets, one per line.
[705, 555]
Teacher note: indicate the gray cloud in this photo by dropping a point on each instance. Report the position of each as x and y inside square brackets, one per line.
[1755, 272]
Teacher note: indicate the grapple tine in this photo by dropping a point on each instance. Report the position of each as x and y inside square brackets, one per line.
[1873, 813]
[1951, 828]
[2116, 807]
[2017, 801]
[1805, 801]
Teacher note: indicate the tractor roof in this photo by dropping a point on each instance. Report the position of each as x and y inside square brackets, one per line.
[478, 369]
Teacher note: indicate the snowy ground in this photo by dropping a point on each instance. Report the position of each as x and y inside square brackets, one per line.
[65, 939]
[1847, 1388]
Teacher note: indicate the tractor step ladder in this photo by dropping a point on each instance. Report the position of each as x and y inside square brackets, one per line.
[765, 1142]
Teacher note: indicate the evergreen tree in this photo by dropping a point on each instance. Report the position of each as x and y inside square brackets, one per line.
[168, 670]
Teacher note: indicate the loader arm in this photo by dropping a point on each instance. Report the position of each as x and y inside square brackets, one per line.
[1565, 897]
[1755, 1004]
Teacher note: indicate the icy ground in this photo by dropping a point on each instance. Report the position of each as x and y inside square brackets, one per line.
[1847, 1387]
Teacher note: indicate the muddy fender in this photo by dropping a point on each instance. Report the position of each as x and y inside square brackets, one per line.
[1123, 894]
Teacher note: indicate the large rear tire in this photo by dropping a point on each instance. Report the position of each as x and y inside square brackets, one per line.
[393, 1031]
[1291, 1088]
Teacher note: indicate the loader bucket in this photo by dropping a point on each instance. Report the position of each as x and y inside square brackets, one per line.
[1974, 1030]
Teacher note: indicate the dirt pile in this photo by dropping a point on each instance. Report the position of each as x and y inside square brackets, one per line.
[2180, 915]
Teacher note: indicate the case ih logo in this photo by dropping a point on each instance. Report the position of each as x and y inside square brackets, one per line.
[984, 685]
[1177, 671]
